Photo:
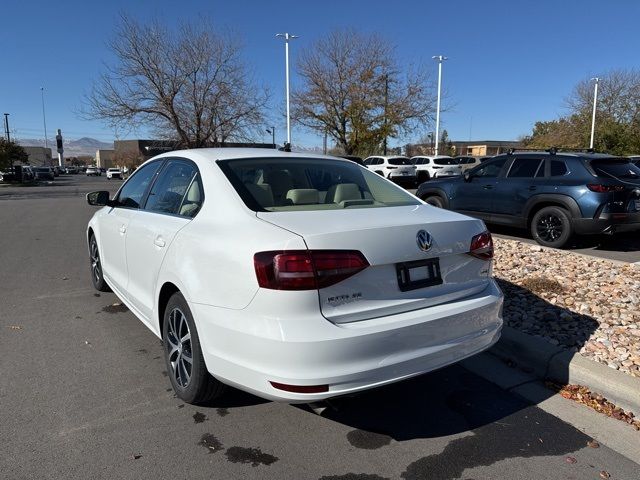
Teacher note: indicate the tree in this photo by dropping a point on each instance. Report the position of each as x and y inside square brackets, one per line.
[617, 117]
[354, 90]
[190, 86]
[10, 153]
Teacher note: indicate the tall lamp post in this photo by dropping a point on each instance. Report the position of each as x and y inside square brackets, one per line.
[272, 131]
[593, 116]
[287, 37]
[440, 59]
[44, 119]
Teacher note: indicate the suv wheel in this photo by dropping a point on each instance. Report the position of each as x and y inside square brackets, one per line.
[435, 201]
[551, 227]
[188, 373]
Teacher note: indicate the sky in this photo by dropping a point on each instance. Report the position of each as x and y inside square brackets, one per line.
[511, 63]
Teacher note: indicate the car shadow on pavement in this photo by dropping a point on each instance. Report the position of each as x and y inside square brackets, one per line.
[453, 402]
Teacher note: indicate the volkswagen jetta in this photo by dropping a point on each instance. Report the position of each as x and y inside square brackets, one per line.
[296, 277]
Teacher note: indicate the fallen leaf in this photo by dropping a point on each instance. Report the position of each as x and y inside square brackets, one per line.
[65, 278]
[135, 456]
[605, 475]
[15, 327]
[570, 460]
[593, 444]
[87, 342]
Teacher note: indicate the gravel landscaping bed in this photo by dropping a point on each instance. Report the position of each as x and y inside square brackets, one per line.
[584, 304]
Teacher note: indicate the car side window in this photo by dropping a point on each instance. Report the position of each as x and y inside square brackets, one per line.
[171, 190]
[558, 168]
[133, 190]
[489, 169]
[367, 161]
[524, 167]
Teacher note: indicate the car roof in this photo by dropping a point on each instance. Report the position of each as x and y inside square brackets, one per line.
[231, 153]
[584, 155]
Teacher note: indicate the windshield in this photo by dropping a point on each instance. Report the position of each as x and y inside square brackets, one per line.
[399, 161]
[275, 184]
[616, 168]
[445, 161]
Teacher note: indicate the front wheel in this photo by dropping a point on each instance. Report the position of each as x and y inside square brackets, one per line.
[551, 227]
[97, 278]
[188, 373]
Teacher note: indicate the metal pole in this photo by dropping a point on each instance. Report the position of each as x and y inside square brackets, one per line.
[287, 37]
[44, 120]
[273, 136]
[386, 101]
[6, 126]
[440, 59]
[593, 117]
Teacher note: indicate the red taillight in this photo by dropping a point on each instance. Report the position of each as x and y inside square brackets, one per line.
[306, 269]
[482, 246]
[300, 388]
[596, 187]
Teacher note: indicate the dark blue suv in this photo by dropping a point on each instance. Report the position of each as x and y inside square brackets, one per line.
[554, 194]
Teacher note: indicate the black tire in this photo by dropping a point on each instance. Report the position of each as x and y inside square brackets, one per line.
[97, 279]
[551, 227]
[192, 384]
[423, 176]
[380, 173]
[434, 200]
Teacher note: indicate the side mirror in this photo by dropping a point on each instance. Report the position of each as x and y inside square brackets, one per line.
[99, 198]
[467, 176]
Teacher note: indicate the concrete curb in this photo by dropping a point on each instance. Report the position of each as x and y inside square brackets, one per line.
[547, 361]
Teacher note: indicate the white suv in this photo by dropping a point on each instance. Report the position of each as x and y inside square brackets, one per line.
[113, 173]
[427, 166]
[396, 168]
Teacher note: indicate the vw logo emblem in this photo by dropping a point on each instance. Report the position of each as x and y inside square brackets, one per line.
[424, 240]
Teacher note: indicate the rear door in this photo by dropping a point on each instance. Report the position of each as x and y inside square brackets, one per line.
[173, 201]
[522, 181]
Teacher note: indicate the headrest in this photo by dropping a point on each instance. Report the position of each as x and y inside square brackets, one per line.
[303, 196]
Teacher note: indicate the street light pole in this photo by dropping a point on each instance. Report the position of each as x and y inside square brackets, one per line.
[593, 117]
[44, 119]
[440, 59]
[6, 126]
[287, 37]
[272, 131]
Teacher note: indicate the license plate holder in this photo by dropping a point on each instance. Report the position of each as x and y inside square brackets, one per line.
[418, 274]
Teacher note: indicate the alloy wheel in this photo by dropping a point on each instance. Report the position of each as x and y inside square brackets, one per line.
[550, 227]
[96, 268]
[179, 348]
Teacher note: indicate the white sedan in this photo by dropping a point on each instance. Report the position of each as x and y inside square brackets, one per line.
[292, 276]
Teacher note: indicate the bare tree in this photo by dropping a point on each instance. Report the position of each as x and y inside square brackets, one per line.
[354, 90]
[190, 86]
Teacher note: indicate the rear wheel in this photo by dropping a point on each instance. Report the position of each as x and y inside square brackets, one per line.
[551, 227]
[188, 373]
[435, 201]
[96, 267]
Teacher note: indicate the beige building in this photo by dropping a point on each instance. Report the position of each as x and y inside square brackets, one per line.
[104, 158]
[38, 155]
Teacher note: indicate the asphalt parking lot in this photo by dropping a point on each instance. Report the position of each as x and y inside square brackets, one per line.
[84, 392]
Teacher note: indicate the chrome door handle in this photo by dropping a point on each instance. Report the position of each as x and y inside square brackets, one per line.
[123, 229]
[159, 242]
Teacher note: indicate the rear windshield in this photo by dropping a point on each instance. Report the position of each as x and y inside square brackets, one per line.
[616, 168]
[445, 161]
[399, 161]
[275, 184]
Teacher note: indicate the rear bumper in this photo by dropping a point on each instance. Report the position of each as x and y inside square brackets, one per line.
[608, 223]
[249, 348]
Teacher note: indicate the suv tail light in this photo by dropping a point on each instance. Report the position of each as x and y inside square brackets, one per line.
[482, 246]
[306, 269]
[596, 187]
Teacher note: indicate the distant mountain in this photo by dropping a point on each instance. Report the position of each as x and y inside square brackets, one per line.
[72, 148]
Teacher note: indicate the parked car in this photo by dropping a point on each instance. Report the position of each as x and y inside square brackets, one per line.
[93, 171]
[396, 168]
[71, 170]
[114, 173]
[467, 163]
[427, 166]
[56, 170]
[635, 159]
[553, 194]
[271, 271]
[43, 173]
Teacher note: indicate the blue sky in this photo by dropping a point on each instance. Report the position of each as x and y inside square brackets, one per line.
[511, 62]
